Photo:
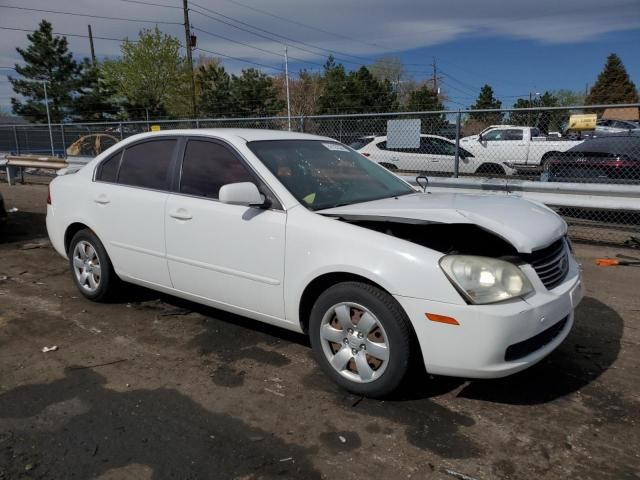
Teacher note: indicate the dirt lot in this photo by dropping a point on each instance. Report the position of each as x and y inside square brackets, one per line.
[154, 387]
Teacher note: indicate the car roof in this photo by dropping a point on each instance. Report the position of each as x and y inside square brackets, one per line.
[234, 134]
[615, 144]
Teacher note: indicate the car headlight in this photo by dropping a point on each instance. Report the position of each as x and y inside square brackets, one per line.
[485, 280]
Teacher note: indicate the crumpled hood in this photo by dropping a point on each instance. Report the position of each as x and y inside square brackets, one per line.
[526, 225]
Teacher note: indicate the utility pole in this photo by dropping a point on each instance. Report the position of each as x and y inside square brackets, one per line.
[189, 45]
[435, 77]
[286, 80]
[46, 106]
[93, 52]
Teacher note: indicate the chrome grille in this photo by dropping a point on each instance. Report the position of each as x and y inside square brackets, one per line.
[551, 263]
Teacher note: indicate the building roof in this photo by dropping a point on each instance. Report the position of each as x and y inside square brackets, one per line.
[628, 113]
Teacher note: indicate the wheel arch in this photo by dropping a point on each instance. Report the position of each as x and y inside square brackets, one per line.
[70, 231]
[491, 167]
[318, 285]
[388, 166]
[545, 158]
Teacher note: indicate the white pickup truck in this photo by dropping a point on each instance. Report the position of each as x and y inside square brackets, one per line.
[522, 148]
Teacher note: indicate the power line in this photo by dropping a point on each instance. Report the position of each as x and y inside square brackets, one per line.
[270, 38]
[302, 24]
[103, 17]
[467, 86]
[152, 4]
[289, 39]
[65, 34]
[250, 31]
[239, 59]
[236, 41]
[271, 52]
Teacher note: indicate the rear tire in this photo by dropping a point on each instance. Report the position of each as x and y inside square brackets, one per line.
[546, 158]
[362, 338]
[91, 268]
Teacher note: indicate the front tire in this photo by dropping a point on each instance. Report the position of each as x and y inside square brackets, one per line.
[490, 169]
[361, 338]
[91, 268]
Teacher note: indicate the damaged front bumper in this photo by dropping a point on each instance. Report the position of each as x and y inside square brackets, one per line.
[496, 340]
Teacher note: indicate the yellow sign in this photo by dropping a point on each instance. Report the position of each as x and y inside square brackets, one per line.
[583, 122]
[155, 128]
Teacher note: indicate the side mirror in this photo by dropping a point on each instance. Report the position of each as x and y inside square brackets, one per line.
[480, 139]
[244, 193]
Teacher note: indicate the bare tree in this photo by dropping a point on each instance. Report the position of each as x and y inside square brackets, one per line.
[304, 92]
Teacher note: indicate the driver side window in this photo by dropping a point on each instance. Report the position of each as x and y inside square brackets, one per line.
[207, 166]
[493, 135]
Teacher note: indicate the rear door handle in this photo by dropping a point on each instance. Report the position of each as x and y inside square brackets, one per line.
[180, 214]
[101, 199]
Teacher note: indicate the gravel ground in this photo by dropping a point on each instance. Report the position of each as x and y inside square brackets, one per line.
[155, 387]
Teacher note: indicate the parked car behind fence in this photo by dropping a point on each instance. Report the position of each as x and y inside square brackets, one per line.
[604, 159]
[434, 154]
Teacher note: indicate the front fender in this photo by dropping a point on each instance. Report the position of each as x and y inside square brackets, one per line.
[317, 245]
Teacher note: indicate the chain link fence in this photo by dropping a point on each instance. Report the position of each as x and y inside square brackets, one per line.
[539, 144]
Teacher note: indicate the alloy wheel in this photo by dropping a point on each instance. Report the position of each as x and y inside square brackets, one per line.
[86, 266]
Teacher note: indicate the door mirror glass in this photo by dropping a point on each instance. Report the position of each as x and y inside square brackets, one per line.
[243, 193]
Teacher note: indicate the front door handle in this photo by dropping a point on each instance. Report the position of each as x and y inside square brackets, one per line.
[180, 214]
[102, 199]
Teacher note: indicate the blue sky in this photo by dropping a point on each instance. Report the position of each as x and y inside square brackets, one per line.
[515, 67]
[517, 47]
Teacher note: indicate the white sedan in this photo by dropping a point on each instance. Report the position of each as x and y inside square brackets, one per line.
[304, 233]
[435, 154]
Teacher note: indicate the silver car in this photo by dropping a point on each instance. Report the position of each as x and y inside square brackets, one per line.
[608, 127]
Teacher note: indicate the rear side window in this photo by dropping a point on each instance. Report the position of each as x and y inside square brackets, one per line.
[513, 134]
[440, 147]
[147, 164]
[383, 146]
[207, 166]
[360, 142]
[108, 169]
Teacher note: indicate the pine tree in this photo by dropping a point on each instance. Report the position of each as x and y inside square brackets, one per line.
[46, 59]
[94, 101]
[214, 84]
[354, 92]
[335, 97]
[368, 94]
[613, 85]
[486, 100]
[544, 120]
[254, 94]
[423, 99]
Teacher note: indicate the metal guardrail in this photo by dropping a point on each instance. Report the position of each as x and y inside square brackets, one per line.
[577, 195]
[595, 213]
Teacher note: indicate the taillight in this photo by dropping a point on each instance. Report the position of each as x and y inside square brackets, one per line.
[48, 195]
[366, 154]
